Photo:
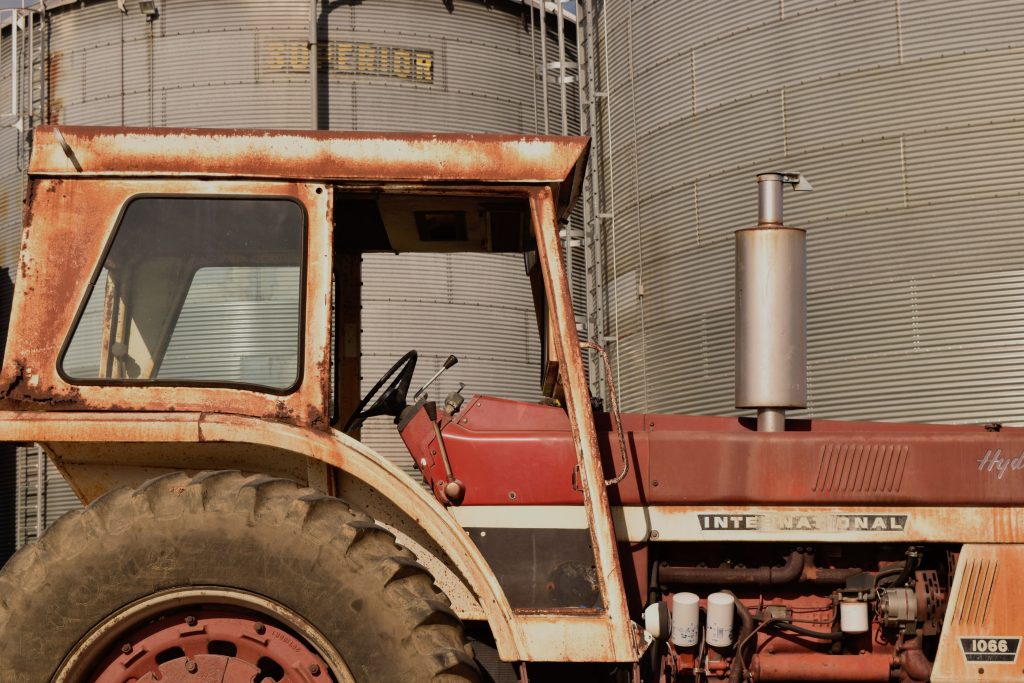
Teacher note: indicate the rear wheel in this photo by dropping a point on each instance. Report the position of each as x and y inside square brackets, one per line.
[226, 578]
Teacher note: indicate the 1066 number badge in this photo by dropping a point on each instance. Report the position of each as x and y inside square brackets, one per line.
[990, 648]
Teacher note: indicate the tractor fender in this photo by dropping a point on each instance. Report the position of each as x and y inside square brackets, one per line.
[99, 451]
[371, 483]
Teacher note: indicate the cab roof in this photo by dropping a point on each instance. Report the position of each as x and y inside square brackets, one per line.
[460, 158]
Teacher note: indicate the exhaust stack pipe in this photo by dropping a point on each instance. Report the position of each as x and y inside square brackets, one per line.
[771, 308]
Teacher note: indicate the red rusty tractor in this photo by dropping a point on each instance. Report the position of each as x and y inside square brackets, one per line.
[237, 531]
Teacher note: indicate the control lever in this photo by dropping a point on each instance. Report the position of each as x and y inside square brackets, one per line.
[453, 490]
[449, 362]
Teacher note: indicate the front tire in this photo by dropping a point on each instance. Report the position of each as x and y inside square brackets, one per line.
[120, 590]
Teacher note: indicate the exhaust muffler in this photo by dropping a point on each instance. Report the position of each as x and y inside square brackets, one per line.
[771, 308]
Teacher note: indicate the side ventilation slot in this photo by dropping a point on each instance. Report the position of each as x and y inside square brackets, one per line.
[859, 468]
[976, 591]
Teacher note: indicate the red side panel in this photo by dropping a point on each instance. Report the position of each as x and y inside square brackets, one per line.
[508, 452]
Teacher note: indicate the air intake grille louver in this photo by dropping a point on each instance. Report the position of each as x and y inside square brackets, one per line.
[976, 591]
[861, 468]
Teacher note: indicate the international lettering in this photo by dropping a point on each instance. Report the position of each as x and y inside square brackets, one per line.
[730, 522]
[871, 522]
[797, 522]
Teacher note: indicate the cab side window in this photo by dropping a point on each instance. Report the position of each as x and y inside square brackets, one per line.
[196, 290]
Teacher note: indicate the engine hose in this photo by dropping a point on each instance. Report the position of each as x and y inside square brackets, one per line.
[913, 559]
[889, 571]
[746, 627]
[653, 595]
[762, 576]
[810, 633]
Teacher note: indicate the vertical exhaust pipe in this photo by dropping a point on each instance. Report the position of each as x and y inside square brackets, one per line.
[771, 308]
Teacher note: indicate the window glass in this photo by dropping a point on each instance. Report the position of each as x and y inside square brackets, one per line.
[205, 290]
[82, 359]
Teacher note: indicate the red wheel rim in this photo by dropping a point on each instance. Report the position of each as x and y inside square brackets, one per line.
[211, 644]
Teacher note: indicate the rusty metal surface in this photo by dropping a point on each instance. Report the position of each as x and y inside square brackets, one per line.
[59, 256]
[321, 156]
[150, 653]
[823, 667]
[833, 523]
[729, 576]
[983, 628]
[57, 263]
[619, 637]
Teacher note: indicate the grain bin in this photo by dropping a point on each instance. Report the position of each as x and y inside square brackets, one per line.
[906, 117]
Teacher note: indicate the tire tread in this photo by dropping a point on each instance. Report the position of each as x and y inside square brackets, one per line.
[331, 530]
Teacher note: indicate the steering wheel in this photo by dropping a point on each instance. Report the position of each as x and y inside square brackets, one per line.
[392, 401]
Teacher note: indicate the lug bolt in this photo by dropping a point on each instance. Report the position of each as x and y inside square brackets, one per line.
[260, 628]
[126, 648]
[314, 669]
[190, 620]
[191, 666]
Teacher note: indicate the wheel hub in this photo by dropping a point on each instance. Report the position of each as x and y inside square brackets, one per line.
[204, 668]
[211, 645]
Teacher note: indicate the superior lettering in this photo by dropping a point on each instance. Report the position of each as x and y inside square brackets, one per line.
[359, 59]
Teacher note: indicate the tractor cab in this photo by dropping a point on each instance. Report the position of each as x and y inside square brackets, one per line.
[193, 296]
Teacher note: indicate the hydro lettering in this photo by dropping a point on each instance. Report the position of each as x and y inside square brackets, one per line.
[995, 462]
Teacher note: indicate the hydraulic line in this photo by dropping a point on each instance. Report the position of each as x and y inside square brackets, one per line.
[746, 628]
[913, 560]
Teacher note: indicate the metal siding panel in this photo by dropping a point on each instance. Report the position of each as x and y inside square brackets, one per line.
[669, 28]
[913, 229]
[8, 500]
[905, 98]
[12, 182]
[204, 106]
[59, 497]
[180, 17]
[983, 160]
[730, 136]
[936, 29]
[856, 179]
[689, 329]
[809, 46]
[85, 63]
[390, 107]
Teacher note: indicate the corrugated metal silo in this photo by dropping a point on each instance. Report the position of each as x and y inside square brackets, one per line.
[906, 118]
[383, 65]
